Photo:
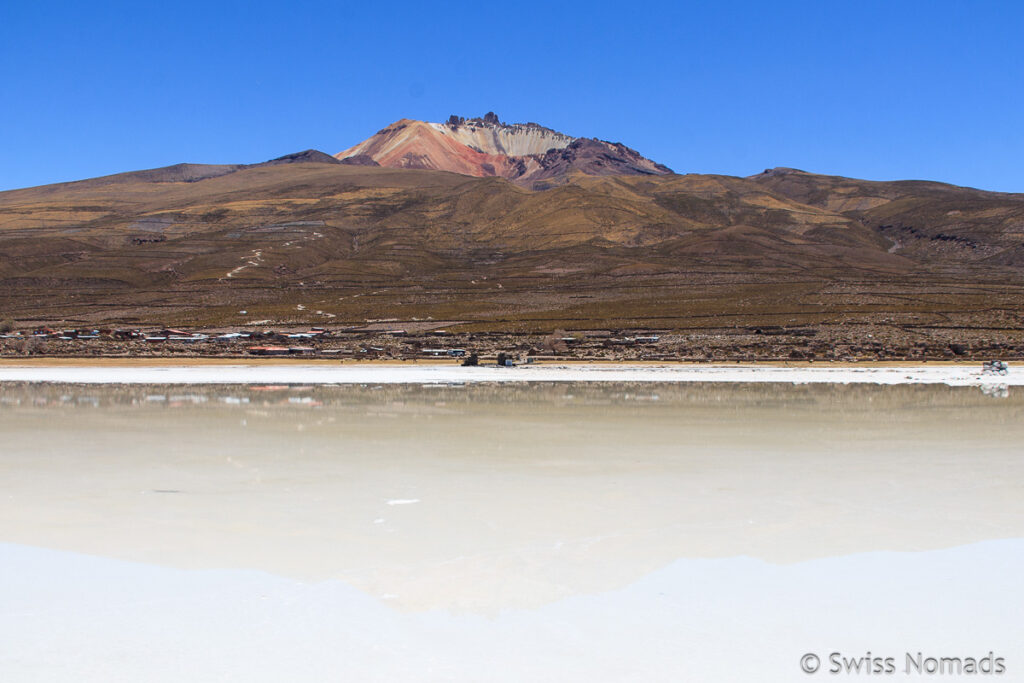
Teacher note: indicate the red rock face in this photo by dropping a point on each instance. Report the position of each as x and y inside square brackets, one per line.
[417, 144]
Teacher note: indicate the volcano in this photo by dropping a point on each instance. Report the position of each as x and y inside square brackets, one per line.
[481, 226]
[528, 154]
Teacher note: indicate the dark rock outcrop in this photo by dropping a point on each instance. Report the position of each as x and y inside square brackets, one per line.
[307, 156]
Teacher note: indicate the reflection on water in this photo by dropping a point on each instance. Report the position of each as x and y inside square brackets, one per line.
[736, 395]
[490, 496]
[590, 532]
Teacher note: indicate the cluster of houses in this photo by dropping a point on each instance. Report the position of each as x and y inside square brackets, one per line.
[266, 343]
[354, 342]
[171, 335]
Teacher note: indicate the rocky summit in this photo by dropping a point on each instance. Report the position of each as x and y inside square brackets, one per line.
[526, 153]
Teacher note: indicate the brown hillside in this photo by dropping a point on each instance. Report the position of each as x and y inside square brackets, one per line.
[322, 242]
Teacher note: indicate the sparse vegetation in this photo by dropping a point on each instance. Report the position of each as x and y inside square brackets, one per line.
[686, 253]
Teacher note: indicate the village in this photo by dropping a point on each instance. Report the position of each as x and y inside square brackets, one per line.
[356, 343]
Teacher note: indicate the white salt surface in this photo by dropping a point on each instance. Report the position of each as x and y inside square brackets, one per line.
[434, 374]
[724, 620]
[708, 532]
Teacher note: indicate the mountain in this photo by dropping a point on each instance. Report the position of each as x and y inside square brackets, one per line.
[929, 221]
[328, 243]
[526, 153]
[614, 241]
[307, 156]
[191, 173]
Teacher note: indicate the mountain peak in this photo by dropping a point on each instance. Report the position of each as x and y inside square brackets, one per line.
[490, 118]
[525, 153]
[305, 156]
[780, 170]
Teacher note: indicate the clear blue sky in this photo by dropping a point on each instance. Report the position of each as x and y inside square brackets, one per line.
[881, 90]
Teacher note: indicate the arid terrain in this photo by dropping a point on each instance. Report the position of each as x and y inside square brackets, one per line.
[783, 264]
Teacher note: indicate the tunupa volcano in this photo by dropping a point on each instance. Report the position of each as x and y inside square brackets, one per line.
[477, 224]
[526, 153]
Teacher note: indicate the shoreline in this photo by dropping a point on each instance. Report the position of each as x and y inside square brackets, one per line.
[212, 371]
[251, 361]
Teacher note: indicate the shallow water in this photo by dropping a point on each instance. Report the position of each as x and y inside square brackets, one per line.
[505, 532]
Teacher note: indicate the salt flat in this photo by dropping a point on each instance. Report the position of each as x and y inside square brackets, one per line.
[720, 621]
[496, 532]
[956, 375]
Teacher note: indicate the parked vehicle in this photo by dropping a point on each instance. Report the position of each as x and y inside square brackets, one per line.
[995, 367]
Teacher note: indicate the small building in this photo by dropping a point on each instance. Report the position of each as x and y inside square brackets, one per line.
[451, 353]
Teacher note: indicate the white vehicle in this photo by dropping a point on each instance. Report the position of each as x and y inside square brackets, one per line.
[994, 367]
